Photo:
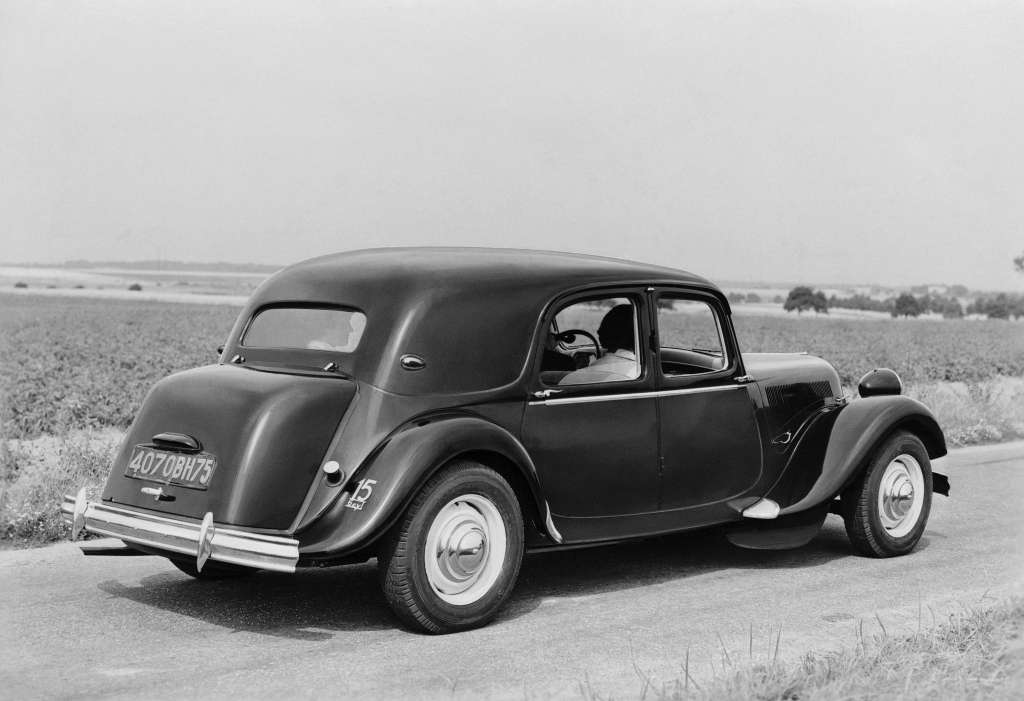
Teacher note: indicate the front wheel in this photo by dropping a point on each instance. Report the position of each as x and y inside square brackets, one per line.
[886, 509]
[451, 561]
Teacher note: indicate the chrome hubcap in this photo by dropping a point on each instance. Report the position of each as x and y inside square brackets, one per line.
[461, 550]
[466, 547]
[899, 502]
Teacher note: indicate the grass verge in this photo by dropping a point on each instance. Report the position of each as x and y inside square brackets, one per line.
[975, 654]
[978, 412]
[36, 474]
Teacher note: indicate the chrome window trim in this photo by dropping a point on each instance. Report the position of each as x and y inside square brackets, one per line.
[634, 395]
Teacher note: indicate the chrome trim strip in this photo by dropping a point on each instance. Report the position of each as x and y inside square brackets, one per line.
[596, 398]
[635, 395]
[552, 531]
[265, 552]
[697, 390]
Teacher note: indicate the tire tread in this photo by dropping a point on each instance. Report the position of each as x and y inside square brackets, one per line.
[392, 567]
[856, 506]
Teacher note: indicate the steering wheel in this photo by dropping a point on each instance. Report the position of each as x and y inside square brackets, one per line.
[570, 336]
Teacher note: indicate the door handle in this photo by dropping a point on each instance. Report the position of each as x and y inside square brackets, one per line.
[545, 393]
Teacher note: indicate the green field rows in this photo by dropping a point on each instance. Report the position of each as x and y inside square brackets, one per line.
[919, 350]
[83, 363]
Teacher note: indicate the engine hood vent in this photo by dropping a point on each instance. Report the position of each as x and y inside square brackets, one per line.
[796, 396]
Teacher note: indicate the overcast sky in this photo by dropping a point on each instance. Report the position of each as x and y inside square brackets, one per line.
[846, 141]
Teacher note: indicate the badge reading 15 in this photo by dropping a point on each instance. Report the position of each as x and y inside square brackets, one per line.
[364, 488]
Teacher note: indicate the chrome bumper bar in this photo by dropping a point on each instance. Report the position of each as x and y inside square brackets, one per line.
[202, 541]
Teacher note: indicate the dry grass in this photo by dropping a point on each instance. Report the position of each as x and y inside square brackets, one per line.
[976, 654]
[36, 474]
[976, 412]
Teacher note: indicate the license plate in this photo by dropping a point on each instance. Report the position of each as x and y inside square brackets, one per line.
[192, 470]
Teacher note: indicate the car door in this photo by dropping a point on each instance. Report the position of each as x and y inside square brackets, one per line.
[592, 432]
[710, 446]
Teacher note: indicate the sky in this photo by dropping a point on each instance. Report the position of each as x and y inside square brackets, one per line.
[820, 141]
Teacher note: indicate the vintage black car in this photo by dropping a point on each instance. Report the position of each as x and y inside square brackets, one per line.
[446, 410]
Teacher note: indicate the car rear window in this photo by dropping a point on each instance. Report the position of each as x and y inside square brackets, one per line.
[299, 327]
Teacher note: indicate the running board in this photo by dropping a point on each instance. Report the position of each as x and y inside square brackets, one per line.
[783, 533]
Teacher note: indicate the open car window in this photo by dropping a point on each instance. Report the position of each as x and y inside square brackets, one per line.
[690, 340]
[593, 341]
[335, 330]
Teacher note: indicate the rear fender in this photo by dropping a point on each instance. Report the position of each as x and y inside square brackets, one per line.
[383, 487]
[859, 428]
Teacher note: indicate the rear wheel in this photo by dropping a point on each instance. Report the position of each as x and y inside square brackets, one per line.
[450, 563]
[211, 572]
[886, 509]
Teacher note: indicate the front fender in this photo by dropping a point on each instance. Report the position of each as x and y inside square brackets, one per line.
[860, 426]
[382, 488]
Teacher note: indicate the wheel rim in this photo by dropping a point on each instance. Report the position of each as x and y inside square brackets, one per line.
[901, 496]
[466, 547]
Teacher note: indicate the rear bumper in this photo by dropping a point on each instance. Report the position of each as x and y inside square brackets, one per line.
[263, 552]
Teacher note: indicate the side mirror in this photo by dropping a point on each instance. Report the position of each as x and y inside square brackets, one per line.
[220, 349]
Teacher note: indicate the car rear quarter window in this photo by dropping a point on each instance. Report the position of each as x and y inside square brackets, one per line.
[309, 328]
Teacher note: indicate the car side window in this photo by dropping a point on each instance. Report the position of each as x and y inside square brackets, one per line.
[593, 341]
[690, 340]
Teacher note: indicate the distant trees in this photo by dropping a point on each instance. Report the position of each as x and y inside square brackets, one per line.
[803, 298]
[859, 301]
[949, 304]
[135, 287]
[1002, 306]
[948, 307]
[906, 305]
[740, 298]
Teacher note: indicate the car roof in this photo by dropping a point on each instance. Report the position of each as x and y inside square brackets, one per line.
[471, 313]
[479, 266]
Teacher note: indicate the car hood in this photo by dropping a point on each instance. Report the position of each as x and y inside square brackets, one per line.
[793, 385]
[269, 432]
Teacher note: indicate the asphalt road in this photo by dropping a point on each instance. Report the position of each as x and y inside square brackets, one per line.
[72, 626]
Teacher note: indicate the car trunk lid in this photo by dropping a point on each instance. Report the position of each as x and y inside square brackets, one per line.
[268, 433]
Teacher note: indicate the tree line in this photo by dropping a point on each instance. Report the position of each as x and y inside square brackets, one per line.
[994, 306]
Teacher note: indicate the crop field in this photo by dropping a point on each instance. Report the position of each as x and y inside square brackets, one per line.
[919, 350]
[73, 373]
[81, 363]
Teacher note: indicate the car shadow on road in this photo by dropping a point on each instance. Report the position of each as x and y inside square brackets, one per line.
[317, 604]
[312, 604]
[637, 564]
